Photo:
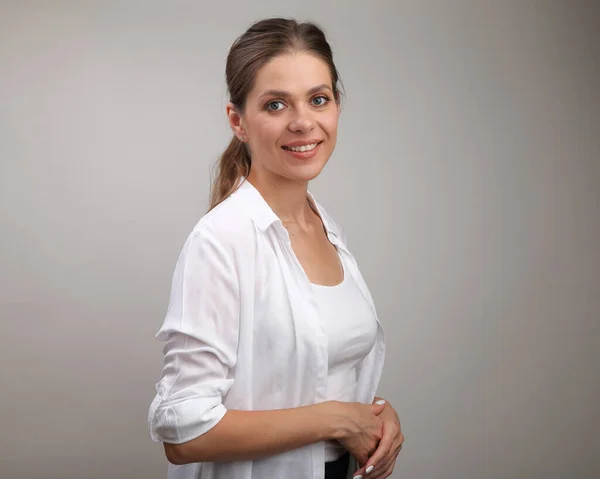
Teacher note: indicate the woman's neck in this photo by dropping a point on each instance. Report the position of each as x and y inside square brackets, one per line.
[287, 199]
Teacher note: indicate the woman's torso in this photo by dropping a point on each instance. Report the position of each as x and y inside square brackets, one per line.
[282, 350]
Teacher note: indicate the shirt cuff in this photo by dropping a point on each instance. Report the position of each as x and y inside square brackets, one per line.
[186, 420]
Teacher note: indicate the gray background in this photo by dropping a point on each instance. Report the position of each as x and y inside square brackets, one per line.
[467, 176]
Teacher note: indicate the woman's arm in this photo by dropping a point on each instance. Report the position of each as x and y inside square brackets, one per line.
[247, 435]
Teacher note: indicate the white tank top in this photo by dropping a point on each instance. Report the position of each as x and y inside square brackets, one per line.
[351, 327]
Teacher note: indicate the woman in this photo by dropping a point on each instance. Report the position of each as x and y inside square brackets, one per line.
[273, 347]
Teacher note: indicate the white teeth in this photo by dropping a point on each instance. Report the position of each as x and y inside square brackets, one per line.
[302, 148]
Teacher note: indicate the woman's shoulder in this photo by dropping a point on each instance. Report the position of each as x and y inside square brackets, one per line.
[227, 224]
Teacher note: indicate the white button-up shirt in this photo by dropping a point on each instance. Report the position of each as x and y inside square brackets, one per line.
[243, 332]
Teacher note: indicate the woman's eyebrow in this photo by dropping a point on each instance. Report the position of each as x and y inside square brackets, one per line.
[285, 94]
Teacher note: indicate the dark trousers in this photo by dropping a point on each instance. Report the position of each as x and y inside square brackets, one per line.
[337, 469]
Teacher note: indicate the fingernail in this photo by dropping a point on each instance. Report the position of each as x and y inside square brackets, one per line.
[370, 468]
[381, 401]
[358, 477]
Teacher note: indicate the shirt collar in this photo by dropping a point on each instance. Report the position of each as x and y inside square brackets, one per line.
[262, 214]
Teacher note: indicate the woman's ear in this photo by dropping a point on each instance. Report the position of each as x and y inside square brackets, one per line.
[235, 121]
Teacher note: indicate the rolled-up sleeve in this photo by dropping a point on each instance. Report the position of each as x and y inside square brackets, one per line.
[201, 334]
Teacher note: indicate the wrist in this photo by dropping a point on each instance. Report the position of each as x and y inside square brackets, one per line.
[333, 420]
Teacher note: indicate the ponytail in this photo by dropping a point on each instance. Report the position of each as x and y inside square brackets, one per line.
[231, 166]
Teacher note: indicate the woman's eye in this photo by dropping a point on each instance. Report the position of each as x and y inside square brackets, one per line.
[323, 100]
[272, 106]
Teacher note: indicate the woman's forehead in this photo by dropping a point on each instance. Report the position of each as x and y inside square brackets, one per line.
[296, 74]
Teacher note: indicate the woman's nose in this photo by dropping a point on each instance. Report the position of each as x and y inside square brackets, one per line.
[301, 122]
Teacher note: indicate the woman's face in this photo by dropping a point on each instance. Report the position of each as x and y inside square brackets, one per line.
[291, 106]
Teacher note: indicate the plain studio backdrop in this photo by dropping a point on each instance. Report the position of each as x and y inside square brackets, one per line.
[467, 177]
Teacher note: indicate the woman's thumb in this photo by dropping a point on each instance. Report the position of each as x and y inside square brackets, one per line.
[379, 405]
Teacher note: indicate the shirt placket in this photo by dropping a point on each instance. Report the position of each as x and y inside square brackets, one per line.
[308, 312]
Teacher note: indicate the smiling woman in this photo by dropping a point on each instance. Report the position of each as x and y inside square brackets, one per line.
[273, 350]
[290, 114]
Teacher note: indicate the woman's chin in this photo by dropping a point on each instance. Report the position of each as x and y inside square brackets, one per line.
[306, 172]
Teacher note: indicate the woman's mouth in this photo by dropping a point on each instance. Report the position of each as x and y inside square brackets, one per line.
[304, 151]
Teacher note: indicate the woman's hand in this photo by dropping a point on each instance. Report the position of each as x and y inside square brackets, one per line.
[359, 427]
[390, 445]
